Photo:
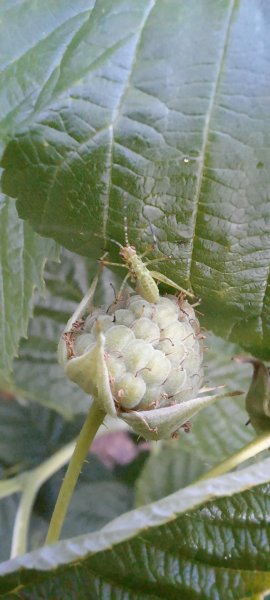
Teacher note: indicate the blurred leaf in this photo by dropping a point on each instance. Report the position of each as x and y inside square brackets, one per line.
[192, 544]
[66, 283]
[220, 430]
[160, 106]
[23, 254]
[95, 504]
[29, 434]
[167, 469]
[8, 508]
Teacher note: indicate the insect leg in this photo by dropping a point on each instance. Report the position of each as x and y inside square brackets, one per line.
[167, 281]
[84, 304]
[112, 264]
[123, 284]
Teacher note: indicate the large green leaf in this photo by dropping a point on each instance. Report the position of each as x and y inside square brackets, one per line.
[22, 257]
[207, 542]
[29, 434]
[23, 253]
[162, 106]
[167, 469]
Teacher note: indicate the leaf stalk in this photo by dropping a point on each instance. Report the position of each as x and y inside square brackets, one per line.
[29, 484]
[259, 444]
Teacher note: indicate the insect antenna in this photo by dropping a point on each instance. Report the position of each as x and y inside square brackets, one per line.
[115, 242]
[154, 237]
[152, 232]
[99, 235]
[126, 226]
[154, 245]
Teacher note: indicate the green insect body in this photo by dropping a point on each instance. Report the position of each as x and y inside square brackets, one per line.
[145, 284]
[141, 275]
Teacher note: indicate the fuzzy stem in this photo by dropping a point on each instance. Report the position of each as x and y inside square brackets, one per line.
[262, 442]
[92, 423]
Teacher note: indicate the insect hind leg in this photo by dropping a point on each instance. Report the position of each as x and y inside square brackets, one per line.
[163, 279]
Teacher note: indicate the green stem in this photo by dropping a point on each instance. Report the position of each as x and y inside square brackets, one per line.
[22, 520]
[93, 421]
[30, 483]
[260, 443]
[10, 486]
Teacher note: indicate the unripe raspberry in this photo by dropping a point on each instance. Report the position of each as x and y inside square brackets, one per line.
[141, 361]
[130, 390]
[258, 396]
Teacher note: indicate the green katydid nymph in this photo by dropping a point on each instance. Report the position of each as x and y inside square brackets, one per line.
[139, 273]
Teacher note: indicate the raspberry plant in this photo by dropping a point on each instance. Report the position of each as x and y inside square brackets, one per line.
[160, 107]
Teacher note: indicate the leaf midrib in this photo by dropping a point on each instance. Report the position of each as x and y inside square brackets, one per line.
[117, 112]
[205, 139]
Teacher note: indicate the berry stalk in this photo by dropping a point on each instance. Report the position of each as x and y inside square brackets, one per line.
[91, 425]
